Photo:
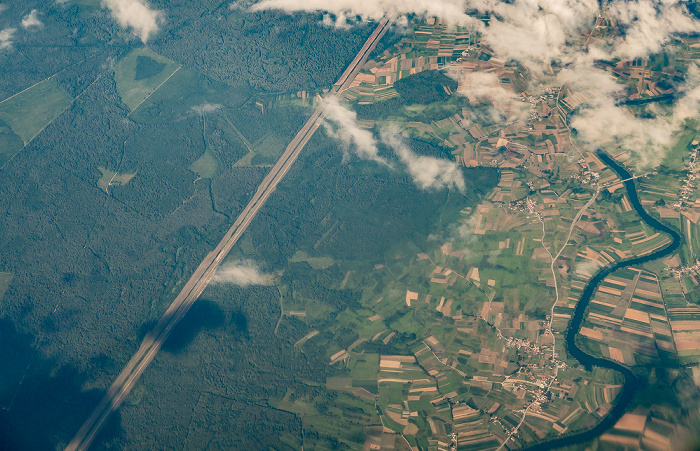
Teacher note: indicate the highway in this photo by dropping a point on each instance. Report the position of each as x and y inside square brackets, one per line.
[194, 287]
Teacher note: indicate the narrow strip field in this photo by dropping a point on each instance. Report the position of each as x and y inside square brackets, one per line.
[630, 385]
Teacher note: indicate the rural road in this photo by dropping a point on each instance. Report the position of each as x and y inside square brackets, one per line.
[194, 287]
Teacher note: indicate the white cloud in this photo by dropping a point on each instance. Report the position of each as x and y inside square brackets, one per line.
[587, 268]
[536, 32]
[241, 272]
[136, 15]
[32, 20]
[6, 36]
[650, 24]
[3, 7]
[486, 86]
[347, 10]
[603, 123]
[206, 108]
[341, 123]
[427, 172]
[688, 106]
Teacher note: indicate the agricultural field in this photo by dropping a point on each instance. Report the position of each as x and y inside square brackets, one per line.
[414, 297]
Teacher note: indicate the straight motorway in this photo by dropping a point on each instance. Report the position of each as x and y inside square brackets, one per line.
[194, 287]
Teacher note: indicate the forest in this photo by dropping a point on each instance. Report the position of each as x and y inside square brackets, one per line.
[105, 219]
[424, 88]
[232, 345]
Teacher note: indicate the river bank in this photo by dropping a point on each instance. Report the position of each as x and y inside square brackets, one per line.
[629, 386]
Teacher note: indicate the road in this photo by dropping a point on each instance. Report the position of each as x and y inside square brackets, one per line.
[629, 387]
[194, 287]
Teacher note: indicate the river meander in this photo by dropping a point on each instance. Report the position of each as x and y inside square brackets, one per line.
[629, 386]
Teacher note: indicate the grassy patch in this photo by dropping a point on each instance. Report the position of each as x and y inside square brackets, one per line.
[206, 166]
[29, 112]
[246, 161]
[110, 177]
[364, 366]
[407, 324]
[269, 149]
[140, 73]
[314, 262]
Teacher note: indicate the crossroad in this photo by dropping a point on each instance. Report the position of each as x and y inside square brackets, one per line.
[194, 287]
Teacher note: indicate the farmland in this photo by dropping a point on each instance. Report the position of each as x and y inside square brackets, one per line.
[387, 315]
[427, 342]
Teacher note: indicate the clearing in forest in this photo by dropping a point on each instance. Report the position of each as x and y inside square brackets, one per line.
[206, 166]
[110, 177]
[140, 73]
[25, 114]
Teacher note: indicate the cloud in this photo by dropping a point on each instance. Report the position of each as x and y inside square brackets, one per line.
[3, 7]
[136, 15]
[538, 33]
[428, 173]
[586, 268]
[206, 108]
[347, 10]
[341, 123]
[465, 231]
[242, 273]
[32, 20]
[6, 36]
[688, 106]
[486, 86]
[535, 32]
[650, 24]
[602, 123]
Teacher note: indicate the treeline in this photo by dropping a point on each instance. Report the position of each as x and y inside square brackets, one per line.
[424, 88]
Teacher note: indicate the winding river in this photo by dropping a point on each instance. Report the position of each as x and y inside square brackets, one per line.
[630, 385]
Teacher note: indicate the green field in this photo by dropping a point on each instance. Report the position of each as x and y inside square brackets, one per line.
[140, 73]
[110, 177]
[269, 149]
[676, 156]
[314, 262]
[206, 166]
[30, 111]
